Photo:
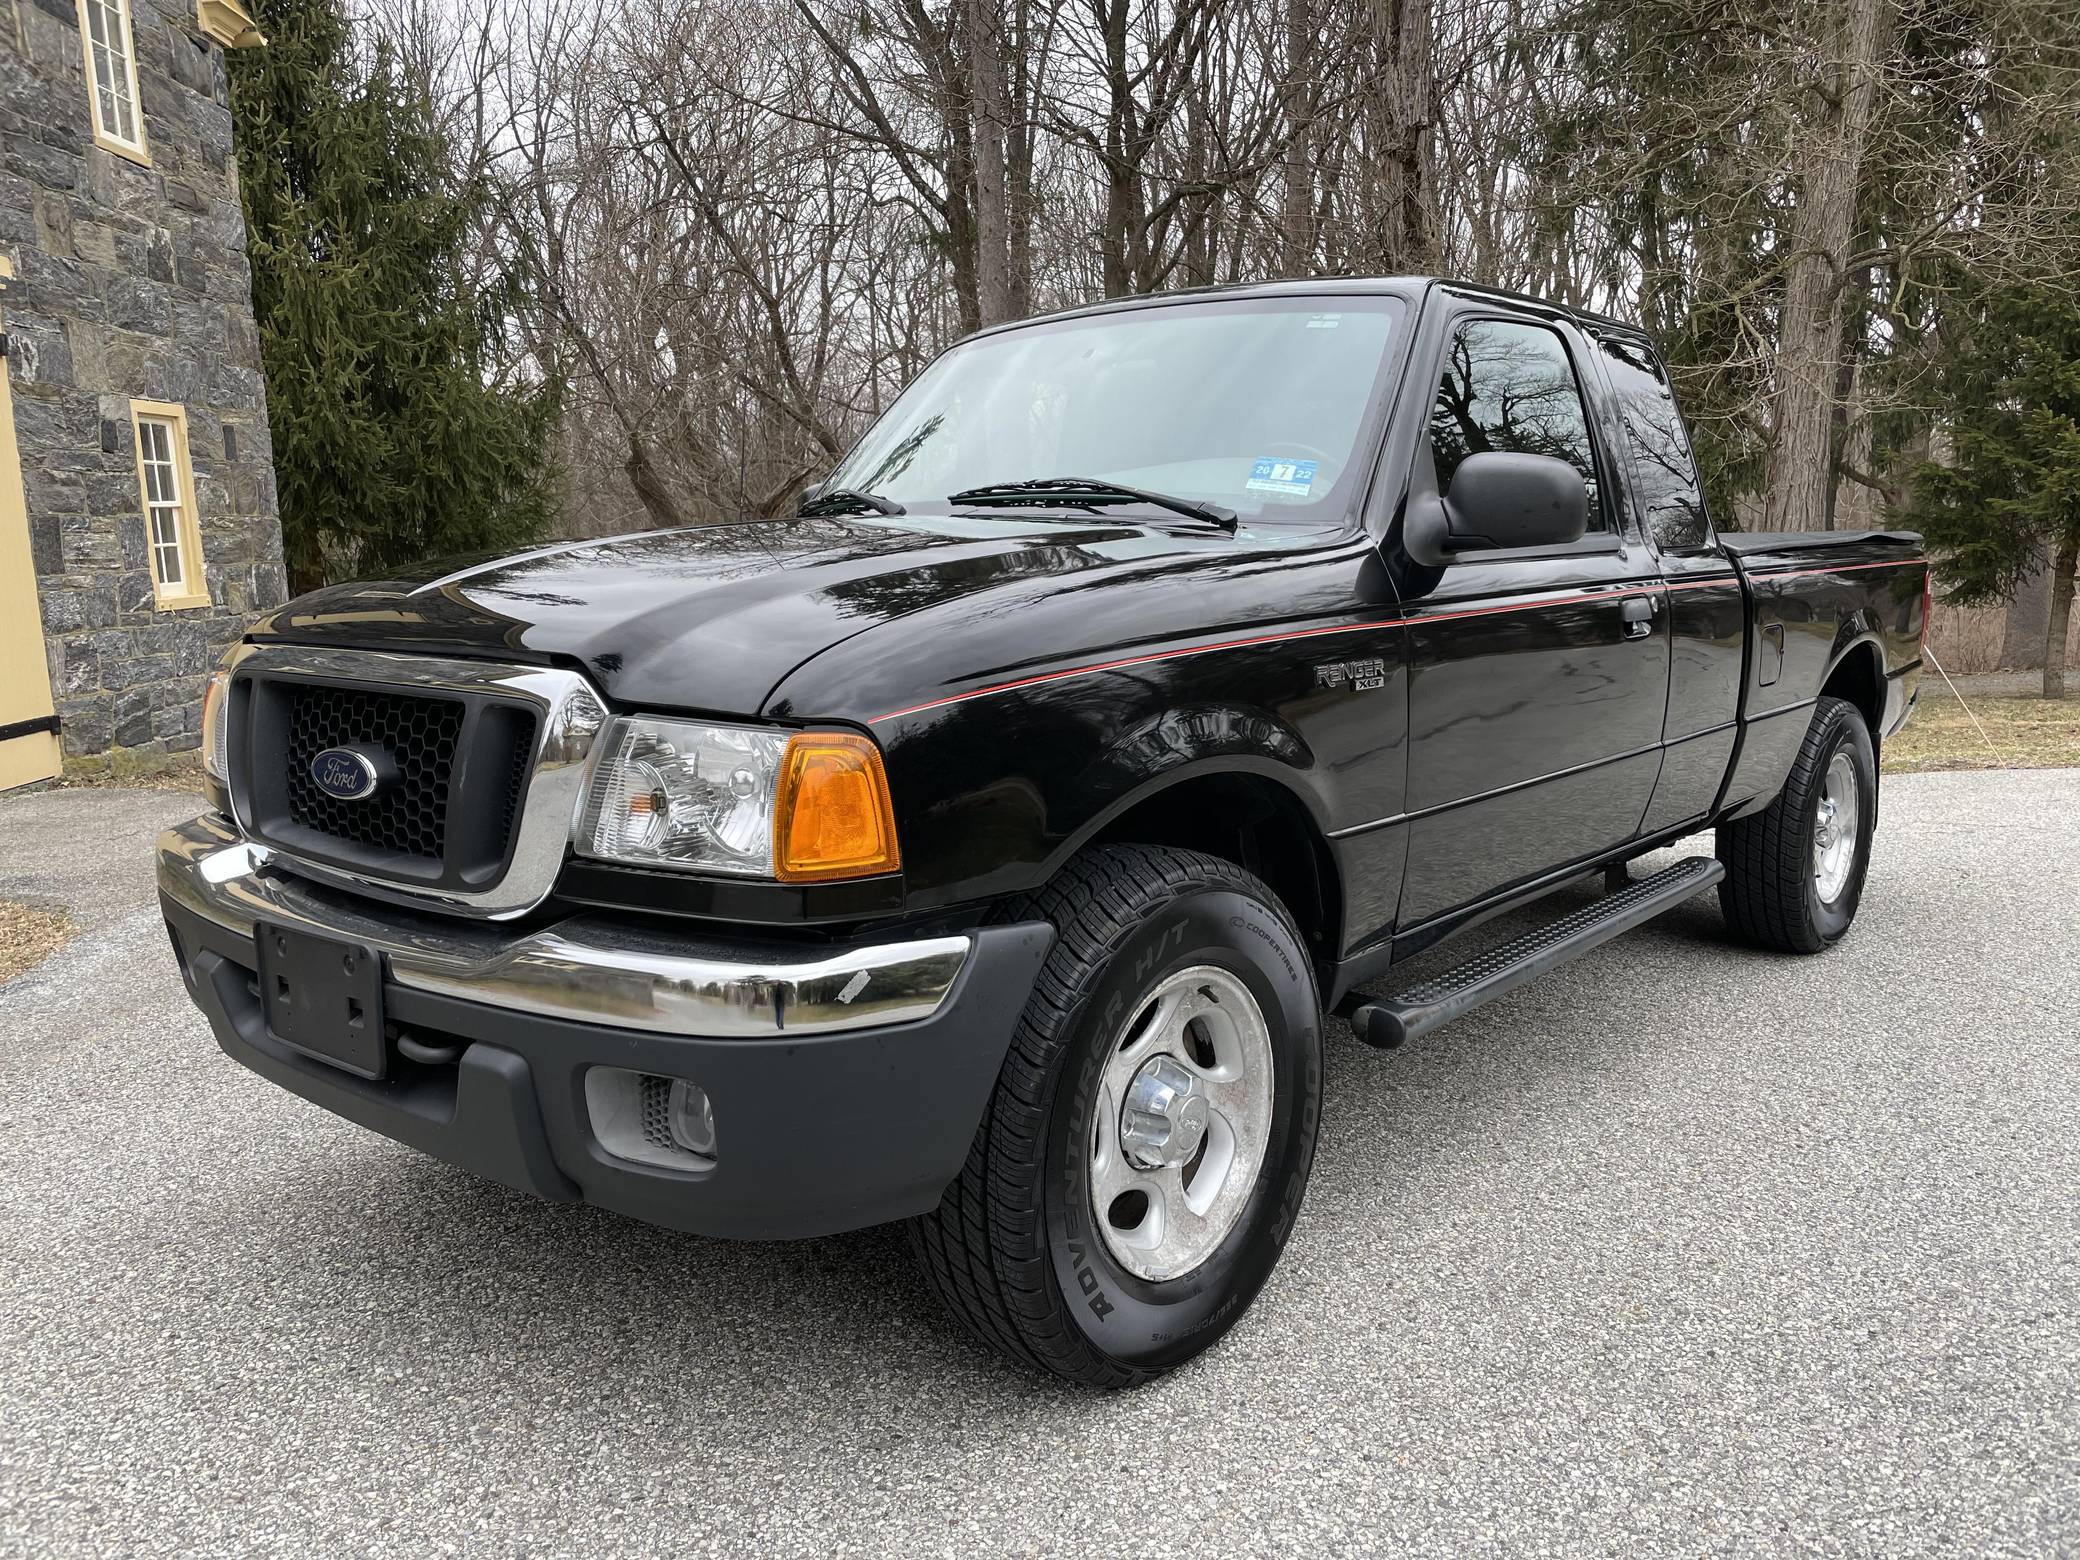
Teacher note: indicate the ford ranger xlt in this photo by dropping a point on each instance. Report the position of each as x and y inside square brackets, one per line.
[984, 845]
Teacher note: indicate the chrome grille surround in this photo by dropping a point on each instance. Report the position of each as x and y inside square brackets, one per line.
[568, 716]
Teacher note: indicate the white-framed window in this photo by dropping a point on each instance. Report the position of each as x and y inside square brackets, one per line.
[104, 32]
[166, 484]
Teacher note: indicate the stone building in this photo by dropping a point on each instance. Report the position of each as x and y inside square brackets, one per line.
[137, 503]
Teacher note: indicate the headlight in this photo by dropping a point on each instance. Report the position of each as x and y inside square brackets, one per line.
[216, 730]
[740, 800]
[677, 794]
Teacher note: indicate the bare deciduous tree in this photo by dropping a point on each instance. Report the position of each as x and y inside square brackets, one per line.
[751, 221]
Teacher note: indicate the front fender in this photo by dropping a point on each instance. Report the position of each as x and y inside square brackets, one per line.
[1005, 803]
[1195, 747]
[1178, 744]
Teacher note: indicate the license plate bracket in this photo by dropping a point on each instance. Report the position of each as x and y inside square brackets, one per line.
[324, 996]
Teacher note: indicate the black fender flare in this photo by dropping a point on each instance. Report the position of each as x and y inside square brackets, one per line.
[1858, 638]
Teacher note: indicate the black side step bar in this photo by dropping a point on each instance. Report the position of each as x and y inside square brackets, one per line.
[1388, 1021]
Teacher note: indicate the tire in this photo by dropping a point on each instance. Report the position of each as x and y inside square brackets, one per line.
[1015, 1248]
[1777, 893]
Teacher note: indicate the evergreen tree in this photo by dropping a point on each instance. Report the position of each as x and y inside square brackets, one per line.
[2011, 495]
[403, 426]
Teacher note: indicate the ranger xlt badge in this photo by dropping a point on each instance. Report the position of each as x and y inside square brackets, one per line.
[1371, 673]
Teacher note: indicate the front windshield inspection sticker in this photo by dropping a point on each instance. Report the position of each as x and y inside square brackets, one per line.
[1324, 321]
[1271, 475]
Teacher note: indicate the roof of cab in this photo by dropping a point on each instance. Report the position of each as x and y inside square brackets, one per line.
[1410, 287]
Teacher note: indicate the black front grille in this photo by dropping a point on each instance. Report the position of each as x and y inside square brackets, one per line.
[516, 783]
[408, 817]
[453, 767]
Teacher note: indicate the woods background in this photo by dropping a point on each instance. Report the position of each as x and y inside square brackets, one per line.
[719, 236]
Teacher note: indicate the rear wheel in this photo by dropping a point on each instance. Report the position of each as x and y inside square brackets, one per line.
[1795, 870]
[1145, 1152]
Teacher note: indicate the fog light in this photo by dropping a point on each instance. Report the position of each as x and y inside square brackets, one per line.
[651, 1119]
[692, 1118]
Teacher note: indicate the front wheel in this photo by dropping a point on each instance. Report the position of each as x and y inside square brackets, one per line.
[1794, 871]
[1144, 1155]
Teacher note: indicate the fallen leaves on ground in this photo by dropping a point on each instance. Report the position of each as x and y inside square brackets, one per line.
[28, 936]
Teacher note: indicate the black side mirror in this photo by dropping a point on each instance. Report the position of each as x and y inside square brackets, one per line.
[1499, 500]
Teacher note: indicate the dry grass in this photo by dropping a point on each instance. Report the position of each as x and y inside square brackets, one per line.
[145, 771]
[28, 936]
[2029, 733]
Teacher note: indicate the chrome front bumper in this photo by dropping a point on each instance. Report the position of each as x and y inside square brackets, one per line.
[591, 969]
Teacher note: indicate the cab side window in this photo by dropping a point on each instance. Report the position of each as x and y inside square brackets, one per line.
[1509, 386]
[1663, 470]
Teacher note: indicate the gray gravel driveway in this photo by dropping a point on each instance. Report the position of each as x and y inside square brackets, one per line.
[1683, 1248]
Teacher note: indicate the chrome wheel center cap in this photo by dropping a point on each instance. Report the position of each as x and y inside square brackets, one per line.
[1162, 1121]
[1182, 1123]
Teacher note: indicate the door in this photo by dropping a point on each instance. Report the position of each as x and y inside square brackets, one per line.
[28, 721]
[1707, 612]
[1538, 679]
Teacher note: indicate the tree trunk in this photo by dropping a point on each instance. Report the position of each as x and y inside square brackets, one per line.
[651, 488]
[1196, 249]
[960, 244]
[993, 283]
[1840, 430]
[2023, 634]
[1018, 176]
[1115, 242]
[2055, 630]
[941, 52]
[1809, 341]
[1296, 203]
[1128, 261]
[303, 557]
[1403, 91]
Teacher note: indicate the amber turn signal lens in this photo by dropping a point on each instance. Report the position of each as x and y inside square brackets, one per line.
[834, 818]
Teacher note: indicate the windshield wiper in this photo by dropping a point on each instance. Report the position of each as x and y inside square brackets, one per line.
[1086, 492]
[848, 501]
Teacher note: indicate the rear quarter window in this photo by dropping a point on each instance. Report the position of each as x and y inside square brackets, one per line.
[1664, 473]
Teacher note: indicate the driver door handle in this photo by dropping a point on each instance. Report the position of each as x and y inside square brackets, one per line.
[1638, 613]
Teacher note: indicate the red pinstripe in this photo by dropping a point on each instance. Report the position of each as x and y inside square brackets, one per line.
[1123, 662]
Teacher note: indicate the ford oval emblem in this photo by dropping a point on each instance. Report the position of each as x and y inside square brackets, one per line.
[344, 773]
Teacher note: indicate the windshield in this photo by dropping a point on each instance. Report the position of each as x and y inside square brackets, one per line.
[1256, 404]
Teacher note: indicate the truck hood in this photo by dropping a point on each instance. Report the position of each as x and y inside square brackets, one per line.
[711, 619]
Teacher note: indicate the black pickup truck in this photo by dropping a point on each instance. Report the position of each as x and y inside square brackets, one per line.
[984, 846]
